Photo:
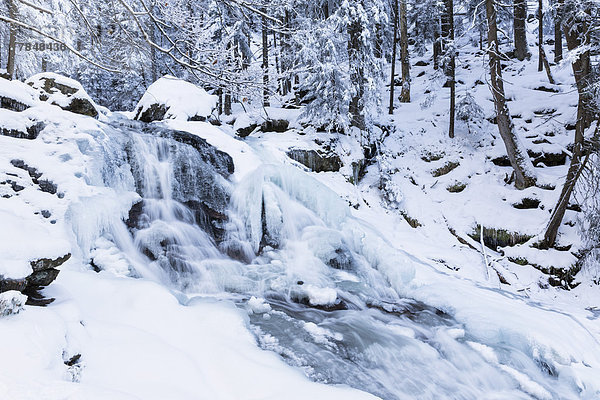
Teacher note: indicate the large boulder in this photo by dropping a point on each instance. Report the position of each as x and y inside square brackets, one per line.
[174, 98]
[64, 92]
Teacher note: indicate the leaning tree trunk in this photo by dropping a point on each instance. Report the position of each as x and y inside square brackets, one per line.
[520, 30]
[12, 40]
[405, 93]
[449, 58]
[576, 34]
[519, 160]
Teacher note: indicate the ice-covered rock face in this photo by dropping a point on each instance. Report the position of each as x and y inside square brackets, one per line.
[173, 98]
[184, 194]
[64, 92]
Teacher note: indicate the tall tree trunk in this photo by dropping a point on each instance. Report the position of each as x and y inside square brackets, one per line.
[284, 39]
[227, 104]
[576, 34]
[436, 48]
[393, 67]
[404, 58]
[153, 61]
[449, 58]
[520, 29]
[517, 154]
[265, 60]
[558, 53]
[12, 40]
[356, 107]
[540, 36]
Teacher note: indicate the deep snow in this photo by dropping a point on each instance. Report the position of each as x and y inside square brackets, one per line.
[467, 335]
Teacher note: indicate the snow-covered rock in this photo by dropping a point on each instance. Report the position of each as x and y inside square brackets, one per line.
[64, 92]
[16, 96]
[173, 98]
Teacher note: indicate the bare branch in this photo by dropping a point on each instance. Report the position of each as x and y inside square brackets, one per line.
[39, 8]
[55, 39]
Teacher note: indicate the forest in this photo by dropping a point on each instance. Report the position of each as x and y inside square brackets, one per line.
[233, 199]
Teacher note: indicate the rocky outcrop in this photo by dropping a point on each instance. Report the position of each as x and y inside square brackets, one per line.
[64, 92]
[31, 131]
[316, 160]
[497, 237]
[221, 161]
[155, 112]
[44, 185]
[44, 272]
[198, 181]
[12, 104]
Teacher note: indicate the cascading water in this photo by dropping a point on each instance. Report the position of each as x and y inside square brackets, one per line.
[328, 280]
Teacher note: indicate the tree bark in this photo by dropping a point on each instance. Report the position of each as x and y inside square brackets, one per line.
[540, 36]
[227, 104]
[153, 60]
[12, 40]
[286, 84]
[449, 58]
[547, 66]
[516, 152]
[576, 34]
[356, 107]
[265, 60]
[436, 48]
[404, 58]
[393, 67]
[520, 29]
[558, 53]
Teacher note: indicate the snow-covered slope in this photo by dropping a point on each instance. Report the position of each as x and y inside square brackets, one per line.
[300, 276]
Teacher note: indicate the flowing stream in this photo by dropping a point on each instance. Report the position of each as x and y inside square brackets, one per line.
[329, 306]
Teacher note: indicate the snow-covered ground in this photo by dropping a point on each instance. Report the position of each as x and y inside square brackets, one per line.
[498, 329]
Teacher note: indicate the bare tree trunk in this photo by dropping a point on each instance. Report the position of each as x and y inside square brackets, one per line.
[558, 53]
[449, 58]
[516, 152]
[520, 30]
[576, 33]
[404, 58]
[153, 62]
[436, 48]
[265, 60]
[393, 71]
[540, 36]
[286, 83]
[12, 40]
[227, 104]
